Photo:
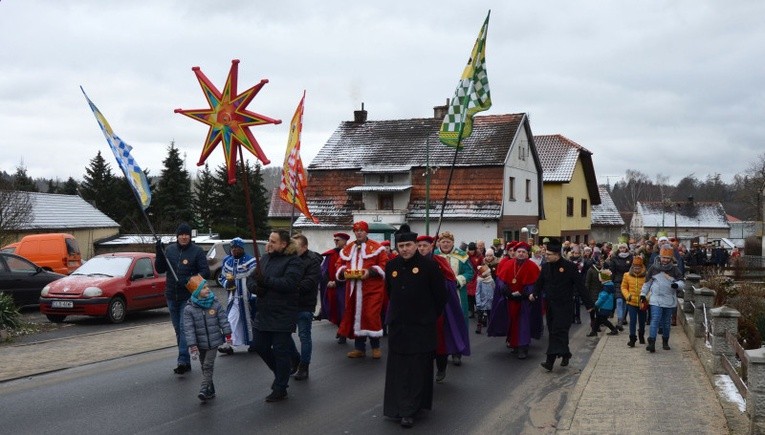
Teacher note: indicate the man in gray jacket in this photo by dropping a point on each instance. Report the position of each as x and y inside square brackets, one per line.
[277, 290]
[309, 291]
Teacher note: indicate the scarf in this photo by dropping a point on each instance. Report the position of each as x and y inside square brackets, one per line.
[203, 302]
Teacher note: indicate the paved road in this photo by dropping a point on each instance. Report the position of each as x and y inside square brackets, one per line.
[491, 393]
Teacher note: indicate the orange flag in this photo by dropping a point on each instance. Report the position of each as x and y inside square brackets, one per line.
[294, 177]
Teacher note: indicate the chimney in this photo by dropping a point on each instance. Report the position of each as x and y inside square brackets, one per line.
[360, 116]
[439, 112]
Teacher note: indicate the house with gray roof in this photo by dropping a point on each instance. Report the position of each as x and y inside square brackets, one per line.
[570, 188]
[376, 171]
[607, 223]
[56, 213]
[685, 220]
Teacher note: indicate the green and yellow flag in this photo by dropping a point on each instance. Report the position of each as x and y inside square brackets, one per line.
[472, 95]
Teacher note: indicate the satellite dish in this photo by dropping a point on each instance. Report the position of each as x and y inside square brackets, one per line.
[534, 231]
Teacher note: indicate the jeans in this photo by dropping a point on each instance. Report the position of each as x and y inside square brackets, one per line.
[176, 316]
[636, 316]
[304, 320]
[360, 343]
[620, 309]
[660, 318]
[275, 349]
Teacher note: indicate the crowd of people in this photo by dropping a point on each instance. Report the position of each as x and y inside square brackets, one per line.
[420, 291]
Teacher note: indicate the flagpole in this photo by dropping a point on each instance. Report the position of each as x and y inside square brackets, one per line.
[248, 204]
[454, 162]
[294, 203]
[427, 185]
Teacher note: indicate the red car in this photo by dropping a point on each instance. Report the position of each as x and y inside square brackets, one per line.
[107, 285]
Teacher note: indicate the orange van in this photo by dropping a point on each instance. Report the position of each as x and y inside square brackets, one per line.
[57, 252]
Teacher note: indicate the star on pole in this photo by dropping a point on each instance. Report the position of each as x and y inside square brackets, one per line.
[229, 119]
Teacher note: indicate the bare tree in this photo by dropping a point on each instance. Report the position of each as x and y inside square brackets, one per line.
[15, 212]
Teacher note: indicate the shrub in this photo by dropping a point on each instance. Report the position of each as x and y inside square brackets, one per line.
[9, 314]
[749, 300]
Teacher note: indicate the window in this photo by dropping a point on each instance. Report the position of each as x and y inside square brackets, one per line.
[385, 202]
[576, 239]
[584, 208]
[586, 239]
[511, 188]
[569, 206]
[521, 153]
[528, 190]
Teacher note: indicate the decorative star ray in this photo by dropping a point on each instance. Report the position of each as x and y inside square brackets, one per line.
[229, 119]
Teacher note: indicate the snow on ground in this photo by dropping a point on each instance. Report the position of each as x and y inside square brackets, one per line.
[728, 390]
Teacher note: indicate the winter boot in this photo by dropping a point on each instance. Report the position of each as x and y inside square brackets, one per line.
[651, 345]
[619, 326]
[641, 337]
[523, 352]
[614, 331]
[548, 364]
[302, 372]
[632, 341]
[665, 343]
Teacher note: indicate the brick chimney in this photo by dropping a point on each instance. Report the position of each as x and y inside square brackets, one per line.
[360, 116]
[439, 112]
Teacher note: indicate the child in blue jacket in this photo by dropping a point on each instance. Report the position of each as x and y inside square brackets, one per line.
[604, 307]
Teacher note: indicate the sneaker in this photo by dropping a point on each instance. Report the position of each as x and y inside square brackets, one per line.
[227, 350]
[355, 353]
[440, 376]
[202, 396]
[182, 368]
[376, 353]
[276, 396]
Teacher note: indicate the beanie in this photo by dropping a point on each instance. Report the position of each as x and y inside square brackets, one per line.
[183, 228]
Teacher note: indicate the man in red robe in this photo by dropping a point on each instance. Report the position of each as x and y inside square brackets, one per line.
[333, 298]
[362, 263]
[523, 311]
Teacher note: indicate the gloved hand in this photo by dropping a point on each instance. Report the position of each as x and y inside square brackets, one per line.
[675, 286]
[642, 299]
[159, 247]
[194, 351]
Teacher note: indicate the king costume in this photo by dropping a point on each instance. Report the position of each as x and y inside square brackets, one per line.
[233, 277]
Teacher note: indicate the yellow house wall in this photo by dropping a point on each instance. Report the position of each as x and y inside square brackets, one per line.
[555, 195]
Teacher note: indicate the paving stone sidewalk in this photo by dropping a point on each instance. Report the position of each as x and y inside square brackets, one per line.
[627, 390]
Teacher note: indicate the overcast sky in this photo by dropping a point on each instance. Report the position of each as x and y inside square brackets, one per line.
[664, 87]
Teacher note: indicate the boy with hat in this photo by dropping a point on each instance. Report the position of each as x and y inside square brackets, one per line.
[632, 283]
[604, 305]
[206, 327]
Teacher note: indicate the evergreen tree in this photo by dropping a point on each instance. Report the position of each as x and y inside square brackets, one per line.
[22, 181]
[98, 187]
[260, 203]
[69, 187]
[172, 199]
[206, 199]
[232, 211]
[52, 186]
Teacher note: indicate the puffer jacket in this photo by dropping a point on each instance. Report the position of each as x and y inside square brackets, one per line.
[205, 328]
[619, 266]
[278, 299]
[605, 303]
[309, 283]
[658, 285]
[631, 286]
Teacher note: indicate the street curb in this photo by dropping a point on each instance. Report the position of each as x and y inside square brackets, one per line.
[89, 334]
[569, 409]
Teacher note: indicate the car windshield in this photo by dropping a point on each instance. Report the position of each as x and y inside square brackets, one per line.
[109, 266]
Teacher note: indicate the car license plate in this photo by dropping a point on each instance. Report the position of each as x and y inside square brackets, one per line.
[62, 304]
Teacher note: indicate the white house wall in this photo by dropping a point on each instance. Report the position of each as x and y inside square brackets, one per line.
[464, 231]
[520, 164]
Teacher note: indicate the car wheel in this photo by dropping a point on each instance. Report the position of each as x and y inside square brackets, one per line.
[216, 276]
[55, 318]
[116, 310]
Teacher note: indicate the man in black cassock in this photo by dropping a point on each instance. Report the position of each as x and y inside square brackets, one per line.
[417, 295]
[559, 281]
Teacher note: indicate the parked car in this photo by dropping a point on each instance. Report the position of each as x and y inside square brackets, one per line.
[107, 285]
[221, 249]
[23, 280]
[57, 252]
[10, 249]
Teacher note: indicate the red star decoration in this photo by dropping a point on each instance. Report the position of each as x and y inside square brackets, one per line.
[229, 119]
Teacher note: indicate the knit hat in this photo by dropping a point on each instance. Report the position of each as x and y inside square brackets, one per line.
[183, 228]
[605, 275]
[496, 242]
[361, 226]
[237, 242]
[667, 252]
[622, 245]
[489, 252]
[195, 283]
[471, 246]
[637, 261]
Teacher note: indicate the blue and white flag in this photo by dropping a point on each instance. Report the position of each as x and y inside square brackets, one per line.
[127, 163]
